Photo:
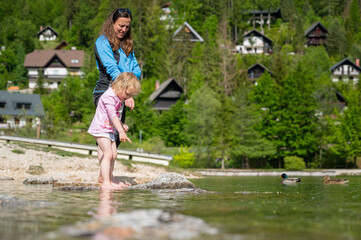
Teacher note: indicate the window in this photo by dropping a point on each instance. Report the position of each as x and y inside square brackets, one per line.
[2, 104]
[56, 72]
[74, 61]
[23, 105]
[2, 120]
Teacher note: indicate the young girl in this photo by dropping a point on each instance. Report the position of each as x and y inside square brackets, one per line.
[106, 122]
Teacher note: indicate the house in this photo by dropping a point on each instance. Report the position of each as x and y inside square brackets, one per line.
[47, 34]
[255, 42]
[54, 65]
[256, 15]
[166, 94]
[186, 33]
[316, 35]
[346, 71]
[18, 109]
[256, 71]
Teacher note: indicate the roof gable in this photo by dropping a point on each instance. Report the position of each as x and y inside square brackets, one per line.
[14, 103]
[45, 29]
[55, 61]
[256, 33]
[168, 89]
[344, 62]
[40, 58]
[260, 66]
[187, 30]
[315, 25]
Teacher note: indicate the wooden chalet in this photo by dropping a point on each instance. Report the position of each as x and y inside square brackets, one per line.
[346, 71]
[256, 71]
[166, 95]
[186, 33]
[316, 35]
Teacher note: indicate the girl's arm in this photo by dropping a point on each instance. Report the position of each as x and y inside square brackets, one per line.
[119, 126]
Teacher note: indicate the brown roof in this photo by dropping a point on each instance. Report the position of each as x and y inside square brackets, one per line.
[39, 58]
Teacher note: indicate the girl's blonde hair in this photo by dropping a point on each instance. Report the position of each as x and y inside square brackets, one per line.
[126, 43]
[126, 82]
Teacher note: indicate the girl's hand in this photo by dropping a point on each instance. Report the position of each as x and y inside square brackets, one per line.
[129, 103]
[125, 127]
[123, 137]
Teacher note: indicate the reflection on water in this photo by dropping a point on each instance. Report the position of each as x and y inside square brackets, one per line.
[241, 207]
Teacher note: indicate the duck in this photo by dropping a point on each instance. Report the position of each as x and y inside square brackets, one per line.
[286, 180]
[328, 180]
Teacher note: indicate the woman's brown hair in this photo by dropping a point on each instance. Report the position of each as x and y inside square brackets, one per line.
[126, 43]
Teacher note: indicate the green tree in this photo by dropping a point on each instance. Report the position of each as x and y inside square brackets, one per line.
[336, 39]
[346, 128]
[247, 141]
[201, 119]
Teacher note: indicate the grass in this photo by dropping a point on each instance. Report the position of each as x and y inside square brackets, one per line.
[18, 151]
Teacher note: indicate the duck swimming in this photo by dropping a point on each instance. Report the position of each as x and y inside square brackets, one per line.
[328, 180]
[286, 180]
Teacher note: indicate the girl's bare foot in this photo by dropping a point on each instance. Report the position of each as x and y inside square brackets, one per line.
[112, 186]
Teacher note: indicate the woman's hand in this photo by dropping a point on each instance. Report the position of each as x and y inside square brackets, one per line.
[129, 103]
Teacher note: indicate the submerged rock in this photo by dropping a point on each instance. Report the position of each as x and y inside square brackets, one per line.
[140, 224]
[45, 180]
[12, 203]
[60, 185]
[6, 178]
[166, 181]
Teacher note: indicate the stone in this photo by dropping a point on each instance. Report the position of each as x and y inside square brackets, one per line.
[36, 170]
[6, 178]
[166, 181]
[45, 180]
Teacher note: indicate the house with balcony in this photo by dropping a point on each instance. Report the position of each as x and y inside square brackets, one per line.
[346, 71]
[18, 110]
[53, 65]
[255, 42]
[316, 35]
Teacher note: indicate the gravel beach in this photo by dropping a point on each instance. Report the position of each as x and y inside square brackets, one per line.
[22, 161]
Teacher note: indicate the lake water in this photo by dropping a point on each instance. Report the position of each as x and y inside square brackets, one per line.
[240, 207]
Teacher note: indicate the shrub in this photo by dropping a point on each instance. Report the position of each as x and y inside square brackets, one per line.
[294, 163]
[184, 158]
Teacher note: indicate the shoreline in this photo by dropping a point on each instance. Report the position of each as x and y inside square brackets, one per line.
[255, 172]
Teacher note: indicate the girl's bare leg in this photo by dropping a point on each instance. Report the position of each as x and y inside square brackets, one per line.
[106, 146]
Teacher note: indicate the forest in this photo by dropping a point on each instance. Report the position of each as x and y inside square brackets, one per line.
[290, 119]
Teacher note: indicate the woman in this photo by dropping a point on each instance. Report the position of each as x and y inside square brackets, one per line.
[114, 53]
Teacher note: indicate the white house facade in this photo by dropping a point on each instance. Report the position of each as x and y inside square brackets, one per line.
[255, 42]
[47, 34]
[346, 71]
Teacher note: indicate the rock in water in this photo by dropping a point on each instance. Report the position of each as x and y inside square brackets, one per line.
[166, 181]
[48, 180]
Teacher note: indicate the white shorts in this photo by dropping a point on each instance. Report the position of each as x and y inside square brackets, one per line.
[107, 135]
